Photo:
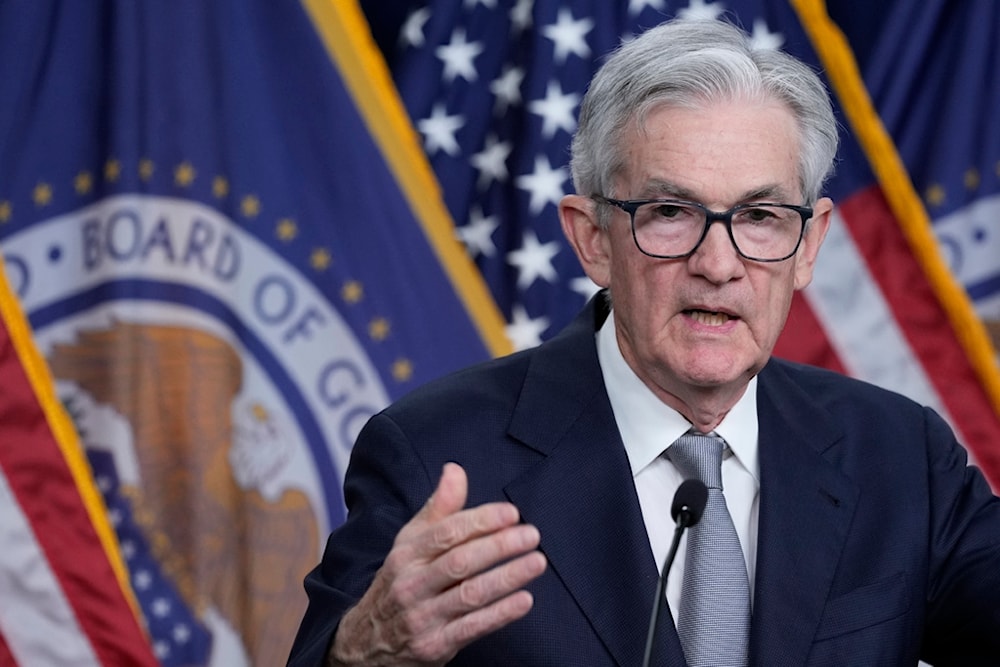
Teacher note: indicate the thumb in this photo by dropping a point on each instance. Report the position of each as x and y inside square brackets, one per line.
[449, 496]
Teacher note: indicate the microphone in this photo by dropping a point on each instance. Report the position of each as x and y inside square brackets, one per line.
[686, 510]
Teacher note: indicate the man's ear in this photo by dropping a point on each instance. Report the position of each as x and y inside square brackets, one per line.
[578, 216]
[805, 259]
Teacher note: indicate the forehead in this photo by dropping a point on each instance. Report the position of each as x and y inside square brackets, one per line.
[717, 153]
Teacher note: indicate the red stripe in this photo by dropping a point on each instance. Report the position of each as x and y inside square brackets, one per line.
[47, 493]
[804, 338]
[924, 323]
[6, 659]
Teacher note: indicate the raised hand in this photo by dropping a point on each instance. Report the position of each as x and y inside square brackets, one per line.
[453, 575]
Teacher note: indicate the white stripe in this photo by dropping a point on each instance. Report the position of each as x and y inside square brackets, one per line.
[36, 619]
[857, 320]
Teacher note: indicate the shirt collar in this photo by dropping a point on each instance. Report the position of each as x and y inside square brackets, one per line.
[648, 425]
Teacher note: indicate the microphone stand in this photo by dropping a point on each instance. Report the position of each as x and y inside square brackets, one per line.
[684, 520]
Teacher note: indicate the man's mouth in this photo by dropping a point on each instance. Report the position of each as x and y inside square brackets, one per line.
[712, 318]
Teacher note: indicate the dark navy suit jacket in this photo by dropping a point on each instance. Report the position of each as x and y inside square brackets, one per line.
[876, 544]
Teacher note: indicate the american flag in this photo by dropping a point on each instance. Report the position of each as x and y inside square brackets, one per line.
[493, 88]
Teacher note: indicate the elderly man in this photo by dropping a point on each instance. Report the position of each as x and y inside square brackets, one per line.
[517, 513]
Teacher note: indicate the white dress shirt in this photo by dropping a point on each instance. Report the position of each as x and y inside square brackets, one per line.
[648, 426]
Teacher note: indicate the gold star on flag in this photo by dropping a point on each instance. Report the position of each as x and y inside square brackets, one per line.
[287, 229]
[352, 291]
[935, 195]
[146, 169]
[184, 174]
[402, 370]
[42, 194]
[83, 183]
[250, 206]
[220, 187]
[971, 179]
[112, 170]
[320, 259]
[378, 329]
[5, 211]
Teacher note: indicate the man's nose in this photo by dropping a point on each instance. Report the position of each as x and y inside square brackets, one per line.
[716, 258]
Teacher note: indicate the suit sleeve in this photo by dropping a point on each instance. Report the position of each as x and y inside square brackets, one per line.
[963, 606]
[385, 485]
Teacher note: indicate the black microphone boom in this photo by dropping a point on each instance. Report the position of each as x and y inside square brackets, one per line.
[686, 510]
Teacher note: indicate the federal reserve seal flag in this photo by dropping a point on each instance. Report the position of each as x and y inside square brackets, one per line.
[231, 253]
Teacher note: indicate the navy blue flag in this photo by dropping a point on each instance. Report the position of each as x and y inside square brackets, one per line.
[231, 251]
[494, 87]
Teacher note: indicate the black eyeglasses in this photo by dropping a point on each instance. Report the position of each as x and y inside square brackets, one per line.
[673, 229]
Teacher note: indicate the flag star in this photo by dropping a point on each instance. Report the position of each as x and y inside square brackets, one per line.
[458, 55]
[181, 633]
[635, 7]
[568, 35]
[128, 549]
[489, 4]
[492, 161]
[584, 286]
[763, 39]
[520, 15]
[439, 131]
[161, 607]
[523, 331]
[545, 184]
[161, 649]
[699, 9]
[143, 580]
[507, 88]
[412, 32]
[556, 110]
[477, 235]
[534, 260]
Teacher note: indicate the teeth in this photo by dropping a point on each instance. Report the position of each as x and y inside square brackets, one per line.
[710, 319]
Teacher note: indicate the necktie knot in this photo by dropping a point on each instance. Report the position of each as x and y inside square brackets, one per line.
[699, 456]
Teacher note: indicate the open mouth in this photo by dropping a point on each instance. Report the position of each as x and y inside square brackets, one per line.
[710, 318]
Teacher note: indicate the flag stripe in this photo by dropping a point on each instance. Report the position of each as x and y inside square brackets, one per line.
[347, 38]
[805, 339]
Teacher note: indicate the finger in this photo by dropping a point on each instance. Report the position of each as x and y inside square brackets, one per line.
[495, 584]
[444, 637]
[441, 645]
[475, 556]
[485, 620]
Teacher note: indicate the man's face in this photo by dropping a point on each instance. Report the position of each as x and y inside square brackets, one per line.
[710, 321]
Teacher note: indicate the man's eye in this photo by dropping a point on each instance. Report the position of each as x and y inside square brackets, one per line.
[672, 211]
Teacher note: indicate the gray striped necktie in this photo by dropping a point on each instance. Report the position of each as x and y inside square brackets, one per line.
[714, 619]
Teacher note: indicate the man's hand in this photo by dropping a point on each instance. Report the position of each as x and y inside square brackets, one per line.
[452, 576]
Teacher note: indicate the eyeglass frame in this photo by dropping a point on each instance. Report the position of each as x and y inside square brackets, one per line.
[630, 206]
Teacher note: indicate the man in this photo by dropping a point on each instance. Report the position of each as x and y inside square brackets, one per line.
[859, 531]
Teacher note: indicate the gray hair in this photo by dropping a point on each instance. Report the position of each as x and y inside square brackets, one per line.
[689, 63]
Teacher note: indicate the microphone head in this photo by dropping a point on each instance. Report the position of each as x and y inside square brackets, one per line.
[689, 502]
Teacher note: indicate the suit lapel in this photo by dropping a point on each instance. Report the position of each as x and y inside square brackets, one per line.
[806, 508]
[582, 498]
